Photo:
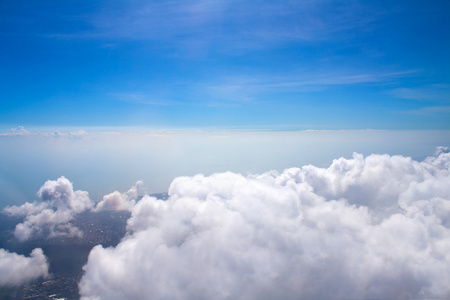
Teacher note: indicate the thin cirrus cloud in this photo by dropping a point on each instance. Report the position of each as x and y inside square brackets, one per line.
[187, 29]
[230, 24]
[365, 227]
[433, 98]
[430, 111]
[324, 79]
[433, 92]
[176, 62]
[245, 88]
[141, 98]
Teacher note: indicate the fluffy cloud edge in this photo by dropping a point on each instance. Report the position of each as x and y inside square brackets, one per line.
[16, 269]
[365, 227]
[118, 201]
[51, 217]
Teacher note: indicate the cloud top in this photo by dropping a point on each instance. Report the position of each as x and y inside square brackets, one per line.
[21, 131]
[51, 216]
[365, 227]
[18, 269]
[118, 201]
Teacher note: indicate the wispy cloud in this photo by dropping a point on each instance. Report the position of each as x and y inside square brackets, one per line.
[432, 92]
[141, 98]
[246, 88]
[342, 79]
[429, 110]
[226, 26]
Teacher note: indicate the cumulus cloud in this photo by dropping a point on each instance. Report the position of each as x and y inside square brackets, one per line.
[118, 201]
[365, 227]
[51, 217]
[17, 269]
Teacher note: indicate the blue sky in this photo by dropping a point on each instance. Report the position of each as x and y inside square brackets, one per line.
[188, 95]
[275, 65]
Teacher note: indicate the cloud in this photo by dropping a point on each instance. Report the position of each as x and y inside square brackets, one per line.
[17, 269]
[20, 131]
[228, 27]
[436, 96]
[76, 133]
[121, 201]
[432, 92]
[429, 111]
[141, 98]
[344, 79]
[52, 215]
[245, 88]
[365, 227]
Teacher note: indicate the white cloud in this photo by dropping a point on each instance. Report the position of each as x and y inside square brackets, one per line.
[245, 88]
[17, 269]
[432, 92]
[373, 227]
[226, 26]
[430, 110]
[76, 133]
[121, 201]
[51, 217]
[21, 131]
[141, 98]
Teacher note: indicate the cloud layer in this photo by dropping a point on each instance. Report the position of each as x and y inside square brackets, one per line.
[21, 131]
[17, 269]
[51, 216]
[366, 227]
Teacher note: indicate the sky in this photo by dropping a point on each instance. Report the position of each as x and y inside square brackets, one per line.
[285, 65]
[101, 162]
[303, 145]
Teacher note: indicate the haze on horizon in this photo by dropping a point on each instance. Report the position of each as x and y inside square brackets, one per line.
[303, 145]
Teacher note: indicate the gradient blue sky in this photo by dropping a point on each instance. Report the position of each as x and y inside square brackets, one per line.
[286, 65]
